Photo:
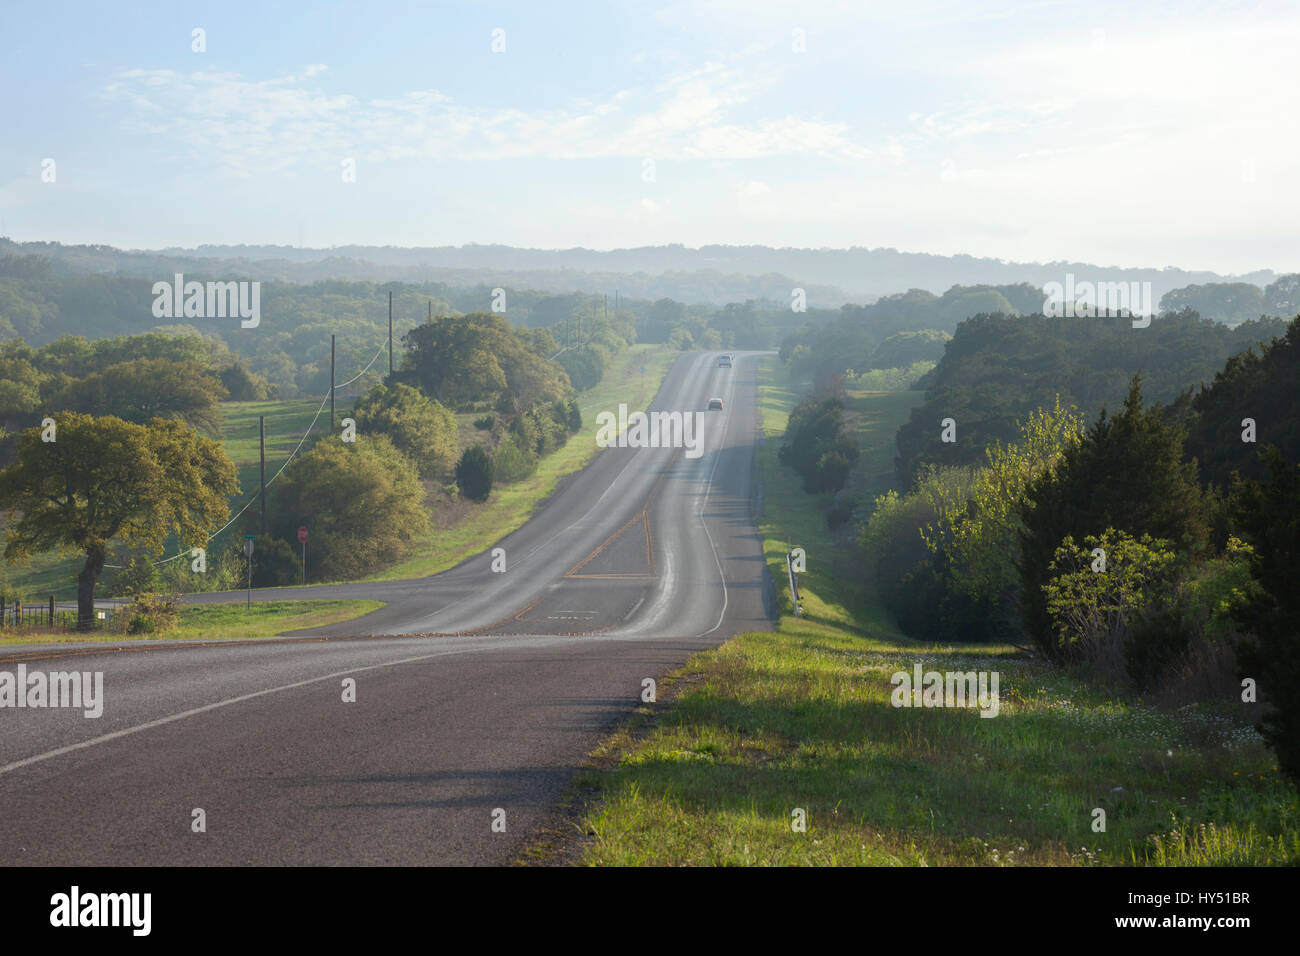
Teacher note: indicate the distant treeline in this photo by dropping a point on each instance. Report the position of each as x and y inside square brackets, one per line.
[713, 274]
[290, 348]
[999, 368]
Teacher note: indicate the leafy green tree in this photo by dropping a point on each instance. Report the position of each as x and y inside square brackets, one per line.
[20, 386]
[140, 390]
[103, 479]
[1091, 610]
[362, 500]
[1126, 473]
[907, 348]
[681, 340]
[139, 576]
[817, 445]
[243, 385]
[979, 530]
[914, 583]
[1282, 296]
[585, 365]
[1268, 515]
[420, 427]
[474, 358]
[1230, 302]
[474, 473]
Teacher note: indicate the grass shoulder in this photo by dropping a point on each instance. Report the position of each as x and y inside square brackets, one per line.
[204, 622]
[799, 722]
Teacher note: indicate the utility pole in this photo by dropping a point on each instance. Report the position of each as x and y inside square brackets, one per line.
[431, 312]
[390, 333]
[261, 451]
[331, 383]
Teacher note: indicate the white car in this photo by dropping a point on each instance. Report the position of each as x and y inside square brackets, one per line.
[724, 361]
[715, 404]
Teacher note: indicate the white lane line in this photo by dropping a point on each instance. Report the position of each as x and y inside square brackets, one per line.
[161, 721]
[717, 457]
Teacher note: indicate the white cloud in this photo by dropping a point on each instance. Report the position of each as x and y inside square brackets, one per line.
[248, 125]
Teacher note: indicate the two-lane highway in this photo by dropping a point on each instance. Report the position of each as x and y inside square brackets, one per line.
[475, 691]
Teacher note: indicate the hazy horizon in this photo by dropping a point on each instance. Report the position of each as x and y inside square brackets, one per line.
[1128, 137]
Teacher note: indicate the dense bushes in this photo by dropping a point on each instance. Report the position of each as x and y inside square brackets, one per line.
[362, 500]
[275, 563]
[1260, 386]
[1096, 589]
[817, 446]
[907, 348]
[1114, 555]
[1127, 473]
[945, 556]
[150, 613]
[511, 461]
[421, 428]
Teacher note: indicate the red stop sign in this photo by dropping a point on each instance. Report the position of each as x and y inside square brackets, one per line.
[302, 534]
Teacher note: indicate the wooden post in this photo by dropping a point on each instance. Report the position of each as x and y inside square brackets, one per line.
[51, 610]
[331, 383]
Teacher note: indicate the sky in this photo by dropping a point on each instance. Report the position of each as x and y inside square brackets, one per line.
[1129, 134]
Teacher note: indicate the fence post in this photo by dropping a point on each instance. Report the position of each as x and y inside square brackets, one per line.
[794, 586]
[2, 612]
[51, 610]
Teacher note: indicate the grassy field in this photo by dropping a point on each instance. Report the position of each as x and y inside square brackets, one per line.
[876, 417]
[234, 620]
[285, 424]
[512, 505]
[801, 719]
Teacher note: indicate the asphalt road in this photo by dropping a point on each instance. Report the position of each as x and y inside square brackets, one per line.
[477, 693]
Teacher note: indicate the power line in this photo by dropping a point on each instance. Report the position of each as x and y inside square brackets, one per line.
[283, 466]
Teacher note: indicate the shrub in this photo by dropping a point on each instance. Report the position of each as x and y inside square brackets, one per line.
[485, 423]
[363, 502]
[1091, 610]
[275, 563]
[817, 446]
[510, 462]
[150, 613]
[474, 473]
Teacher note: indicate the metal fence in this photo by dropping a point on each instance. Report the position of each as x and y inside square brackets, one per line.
[49, 614]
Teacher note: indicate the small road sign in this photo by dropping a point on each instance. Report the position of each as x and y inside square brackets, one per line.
[248, 547]
[302, 534]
